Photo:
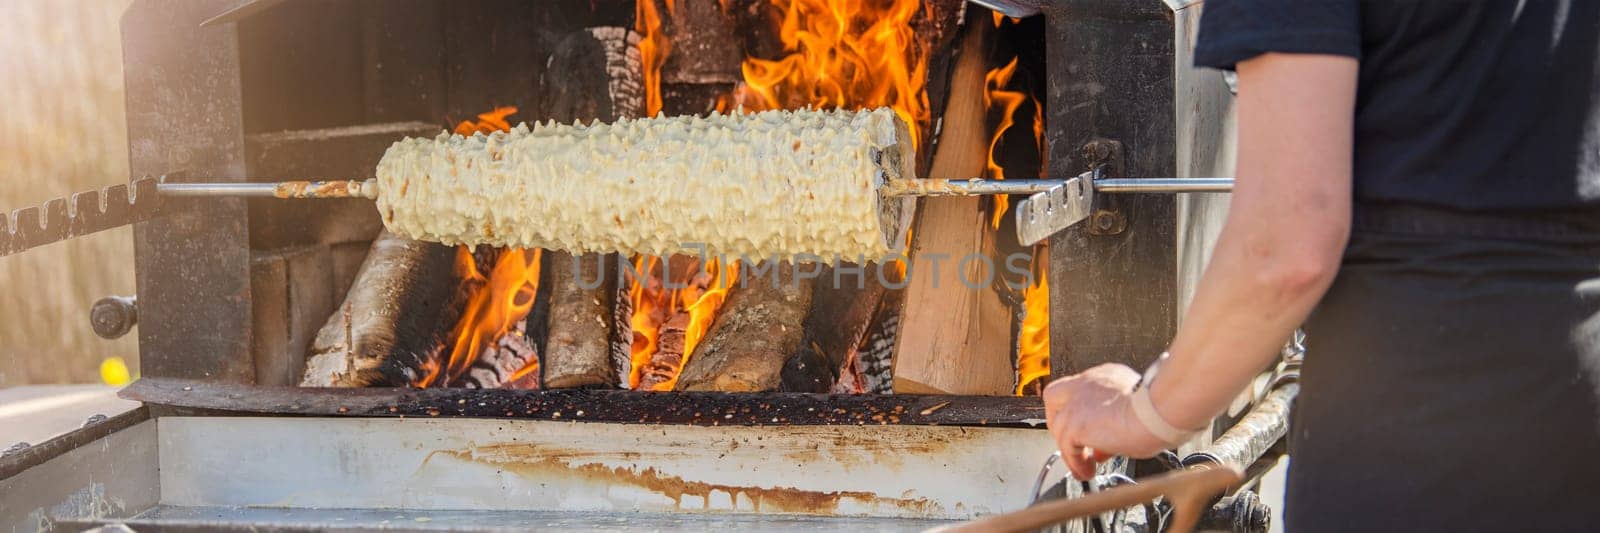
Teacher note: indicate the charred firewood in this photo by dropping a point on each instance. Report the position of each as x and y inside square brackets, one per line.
[668, 359]
[672, 338]
[875, 357]
[593, 74]
[758, 330]
[406, 296]
[850, 380]
[808, 370]
[511, 362]
[842, 308]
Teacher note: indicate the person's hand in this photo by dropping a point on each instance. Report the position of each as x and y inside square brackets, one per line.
[1092, 419]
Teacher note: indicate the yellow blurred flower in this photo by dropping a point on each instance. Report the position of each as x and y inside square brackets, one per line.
[114, 371]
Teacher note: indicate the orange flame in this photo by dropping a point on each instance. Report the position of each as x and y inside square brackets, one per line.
[653, 306]
[487, 123]
[1033, 352]
[648, 316]
[497, 301]
[702, 306]
[837, 54]
[491, 312]
[1038, 130]
[1007, 101]
[653, 49]
[843, 54]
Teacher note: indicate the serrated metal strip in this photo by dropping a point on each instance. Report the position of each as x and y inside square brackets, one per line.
[1043, 214]
[81, 214]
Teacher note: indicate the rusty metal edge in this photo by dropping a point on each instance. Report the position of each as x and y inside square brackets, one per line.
[614, 406]
[16, 463]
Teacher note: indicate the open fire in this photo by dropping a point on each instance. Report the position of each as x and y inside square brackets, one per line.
[842, 54]
[837, 54]
[669, 319]
[497, 305]
[834, 54]
[1033, 344]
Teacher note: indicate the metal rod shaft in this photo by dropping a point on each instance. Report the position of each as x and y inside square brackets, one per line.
[974, 187]
[283, 189]
[1159, 185]
[923, 187]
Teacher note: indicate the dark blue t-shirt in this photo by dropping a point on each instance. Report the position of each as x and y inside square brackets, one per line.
[1485, 106]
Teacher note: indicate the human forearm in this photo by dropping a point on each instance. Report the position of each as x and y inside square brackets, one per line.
[1286, 230]
[1278, 251]
[1247, 307]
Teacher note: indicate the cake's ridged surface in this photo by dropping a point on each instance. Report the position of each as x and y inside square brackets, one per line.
[776, 183]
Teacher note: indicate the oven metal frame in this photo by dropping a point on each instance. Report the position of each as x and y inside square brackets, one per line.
[1124, 97]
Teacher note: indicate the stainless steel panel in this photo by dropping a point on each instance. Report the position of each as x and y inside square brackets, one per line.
[114, 477]
[475, 464]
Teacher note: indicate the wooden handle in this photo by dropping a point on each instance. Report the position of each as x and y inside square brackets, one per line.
[1188, 490]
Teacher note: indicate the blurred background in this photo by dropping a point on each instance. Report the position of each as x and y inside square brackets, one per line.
[62, 130]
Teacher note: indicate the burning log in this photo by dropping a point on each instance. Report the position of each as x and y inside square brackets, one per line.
[511, 362]
[755, 334]
[955, 337]
[490, 345]
[893, 54]
[405, 297]
[672, 336]
[665, 364]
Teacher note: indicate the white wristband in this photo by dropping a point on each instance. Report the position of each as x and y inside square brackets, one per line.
[1144, 409]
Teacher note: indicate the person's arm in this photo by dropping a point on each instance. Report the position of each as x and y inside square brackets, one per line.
[1278, 252]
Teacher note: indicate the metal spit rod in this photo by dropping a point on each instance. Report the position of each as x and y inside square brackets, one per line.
[1049, 208]
[283, 189]
[924, 187]
[974, 187]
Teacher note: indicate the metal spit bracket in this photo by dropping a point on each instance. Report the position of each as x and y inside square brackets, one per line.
[1041, 215]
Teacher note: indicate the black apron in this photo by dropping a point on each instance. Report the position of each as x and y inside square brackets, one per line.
[1451, 377]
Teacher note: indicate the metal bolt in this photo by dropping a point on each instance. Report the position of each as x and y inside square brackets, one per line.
[114, 316]
[1107, 222]
[1101, 151]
